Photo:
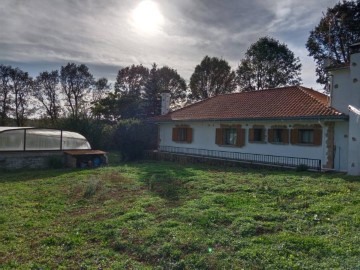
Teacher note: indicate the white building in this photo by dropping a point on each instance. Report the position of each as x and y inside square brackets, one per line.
[287, 126]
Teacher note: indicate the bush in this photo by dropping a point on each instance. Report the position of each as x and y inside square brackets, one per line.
[93, 185]
[133, 136]
[302, 168]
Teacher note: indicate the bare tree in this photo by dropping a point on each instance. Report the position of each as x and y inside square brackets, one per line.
[21, 86]
[5, 90]
[76, 81]
[101, 88]
[47, 91]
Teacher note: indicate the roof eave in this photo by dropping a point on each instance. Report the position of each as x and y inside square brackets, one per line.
[297, 118]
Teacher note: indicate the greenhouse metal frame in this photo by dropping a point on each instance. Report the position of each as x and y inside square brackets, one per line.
[15, 139]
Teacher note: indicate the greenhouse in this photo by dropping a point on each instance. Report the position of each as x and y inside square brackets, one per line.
[36, 139]
[27, 147]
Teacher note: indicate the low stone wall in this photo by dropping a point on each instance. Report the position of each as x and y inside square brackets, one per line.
[33, 160]
[188, 159]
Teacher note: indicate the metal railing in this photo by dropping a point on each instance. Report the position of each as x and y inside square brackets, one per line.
[284, 161]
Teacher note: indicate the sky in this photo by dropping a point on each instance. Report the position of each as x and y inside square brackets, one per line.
[106, 35]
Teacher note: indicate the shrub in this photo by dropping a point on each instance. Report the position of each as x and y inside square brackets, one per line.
[302, 168]
[92, 187]
[132, 137]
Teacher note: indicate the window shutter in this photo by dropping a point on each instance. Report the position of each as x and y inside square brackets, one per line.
[251, 135]
[317, 136]
[189, 133]
[285, 135]
[219, 136]
[240, 136]
[271, 135]
[175, 136]
[294, 136]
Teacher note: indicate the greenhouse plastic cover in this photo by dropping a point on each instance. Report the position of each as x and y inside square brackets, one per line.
[14, 138]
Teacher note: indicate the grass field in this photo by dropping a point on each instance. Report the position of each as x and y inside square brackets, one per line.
[157, 215]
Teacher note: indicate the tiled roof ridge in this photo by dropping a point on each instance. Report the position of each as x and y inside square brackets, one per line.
[306, 91]
[260, 90]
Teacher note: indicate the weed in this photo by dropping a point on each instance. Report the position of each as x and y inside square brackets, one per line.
[92, 186]
[302, 168]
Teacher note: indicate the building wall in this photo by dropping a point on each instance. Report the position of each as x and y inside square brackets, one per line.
[355, 80]
[204, 138]
[341, 93]
[345, 91]
[33, 160]
[354, 144]
[341, 146]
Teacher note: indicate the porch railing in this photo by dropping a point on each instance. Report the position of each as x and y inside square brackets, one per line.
[285, 161]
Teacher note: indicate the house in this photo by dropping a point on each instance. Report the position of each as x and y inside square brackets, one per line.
[288, 126]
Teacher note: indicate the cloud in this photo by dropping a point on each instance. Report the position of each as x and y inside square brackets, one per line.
[100, 33]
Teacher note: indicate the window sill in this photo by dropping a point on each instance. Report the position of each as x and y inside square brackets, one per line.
[260, 142]
[228, 145]
[306, 144]
[281, 143]
[182, 142]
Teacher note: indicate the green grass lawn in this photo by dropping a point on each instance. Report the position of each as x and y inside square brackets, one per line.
[159, 215]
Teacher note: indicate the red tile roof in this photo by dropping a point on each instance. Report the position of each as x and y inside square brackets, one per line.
[278, 103]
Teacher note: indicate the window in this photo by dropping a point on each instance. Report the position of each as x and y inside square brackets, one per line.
[256, 134]
[182, 134]
[278, 135]
[230, 135]
[306, 136]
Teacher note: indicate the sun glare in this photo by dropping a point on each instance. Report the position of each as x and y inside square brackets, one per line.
[147, 17]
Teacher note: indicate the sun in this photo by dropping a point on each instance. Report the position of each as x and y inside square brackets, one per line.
[147, 17]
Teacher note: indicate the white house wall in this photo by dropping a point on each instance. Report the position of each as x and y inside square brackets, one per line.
[204, 138]
[354, 144]
[341, 146]
[341, 92]
[355, 80]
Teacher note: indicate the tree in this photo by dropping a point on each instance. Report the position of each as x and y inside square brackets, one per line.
[170, 80]
[101, 88]
[213, 76]
[46, 90]
[332, 37]
[268, 64]
[76, 81]
[131, 80]
[151, 97]
[5, 90]
[21, 86]
[114, 107]
[160, 80]
[137, 93]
